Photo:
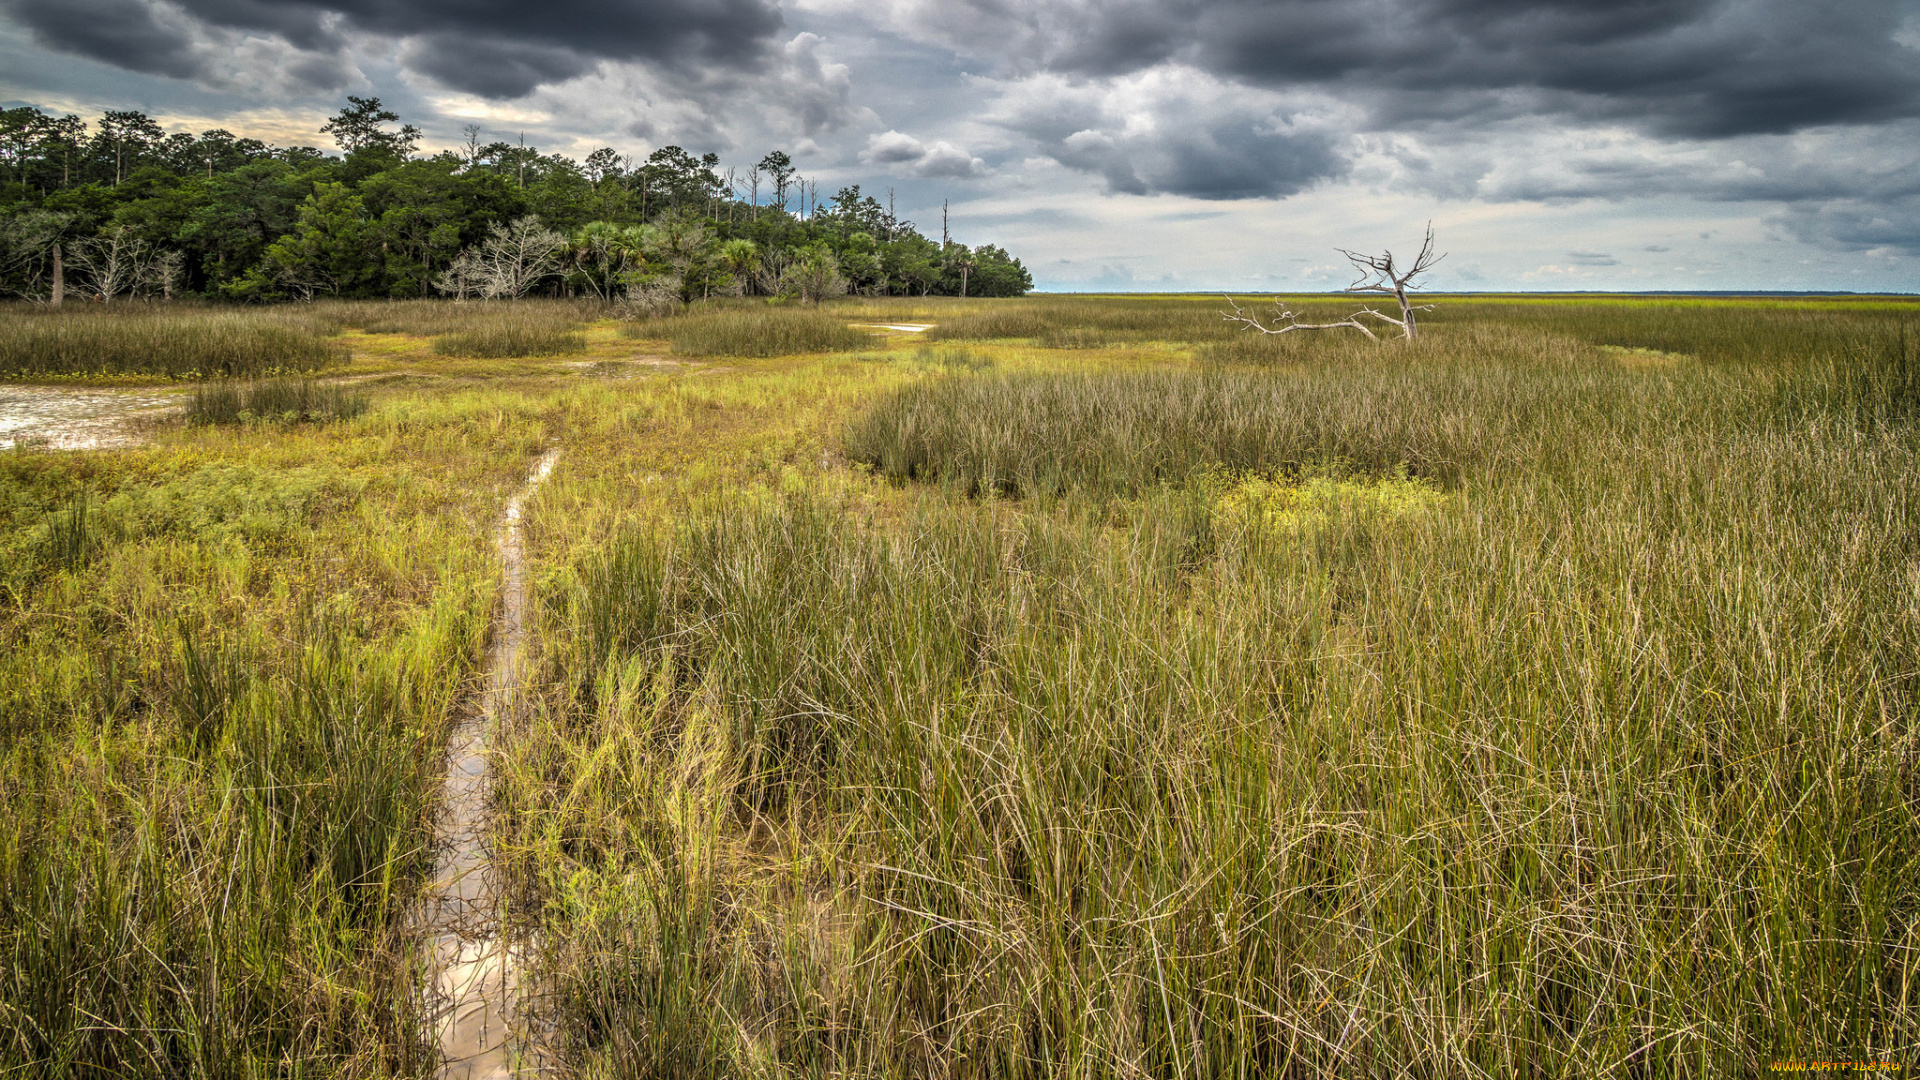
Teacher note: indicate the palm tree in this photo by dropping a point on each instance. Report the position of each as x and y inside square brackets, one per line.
[599, 254]
[741, 258]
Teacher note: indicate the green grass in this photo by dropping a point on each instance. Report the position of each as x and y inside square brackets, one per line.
[142, 339]
[1125, 433]
[229, 666]
[511, 331]
[759, 330]
[274, 401]
[434, 317]
[1535, 699]
[1499, 705]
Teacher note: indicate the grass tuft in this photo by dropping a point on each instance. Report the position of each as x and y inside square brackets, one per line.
[275, 401]
[754, 331]
[184, 343]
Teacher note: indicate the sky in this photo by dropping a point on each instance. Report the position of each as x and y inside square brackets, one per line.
[1229, 145]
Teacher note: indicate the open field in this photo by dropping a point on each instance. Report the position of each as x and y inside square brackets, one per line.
[1079, 688]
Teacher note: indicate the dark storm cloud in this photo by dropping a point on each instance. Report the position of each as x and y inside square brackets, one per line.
[495, 48]
[1694, 68]
[1858, 224]
[125, 33]
[1228, 159]
[1178, 135]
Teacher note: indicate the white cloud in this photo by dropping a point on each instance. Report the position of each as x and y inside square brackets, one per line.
[905, 155]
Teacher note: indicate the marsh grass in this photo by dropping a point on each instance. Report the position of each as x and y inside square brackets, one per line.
[177, 343]
[758, 330]
[275, 401]
[504, 330]
[1486, 707]
[1302, 789]
[227, 672]
[224, 886]
[436, 317]
[1490, 706]
[1047, 434]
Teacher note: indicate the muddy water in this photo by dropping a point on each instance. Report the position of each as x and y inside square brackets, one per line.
[473, 993]
[60, 419]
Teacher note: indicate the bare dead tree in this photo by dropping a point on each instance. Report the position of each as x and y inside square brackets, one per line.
[117, 263]
[29, 243]
[512, 259]
[1377, 274]
[1374, 274]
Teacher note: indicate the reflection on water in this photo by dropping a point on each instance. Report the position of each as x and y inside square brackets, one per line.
[61, 419]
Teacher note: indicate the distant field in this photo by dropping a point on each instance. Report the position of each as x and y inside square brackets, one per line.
[1081, 687]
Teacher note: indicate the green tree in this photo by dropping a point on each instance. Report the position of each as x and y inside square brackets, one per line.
[361, 126]
[996, 273]
[330, 249]
[245, 210]
[123, 139]
[740, 258]
[779, 170]
[424, 212]
[814, 275]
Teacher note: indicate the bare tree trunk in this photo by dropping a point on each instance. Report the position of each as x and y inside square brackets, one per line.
[59, 276]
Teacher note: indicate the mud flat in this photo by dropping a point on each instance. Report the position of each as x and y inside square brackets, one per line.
[60, 419]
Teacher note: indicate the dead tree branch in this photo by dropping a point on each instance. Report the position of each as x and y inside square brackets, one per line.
[1379, 274]
[1286, 322]
[1376, 274]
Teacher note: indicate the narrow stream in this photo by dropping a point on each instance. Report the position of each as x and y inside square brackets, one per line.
[473, 993]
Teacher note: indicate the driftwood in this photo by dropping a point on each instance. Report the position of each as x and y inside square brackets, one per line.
[1375, 274]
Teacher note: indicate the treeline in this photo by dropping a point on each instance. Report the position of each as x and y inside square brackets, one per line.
[120, 209]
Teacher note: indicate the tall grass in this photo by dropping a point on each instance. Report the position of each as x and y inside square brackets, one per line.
[1591, 755]
[754, 331]
[204, 869]
[226, 678]
[1437, 410]
[275, 400]
[509, 336]
[144, 339]
[449, 317]
[1087, 322]
[1437, 787]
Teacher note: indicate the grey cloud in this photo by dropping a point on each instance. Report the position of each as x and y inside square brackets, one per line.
[1857, 224]
[125, 33]
[1692, 68]
[1592, 258]
[1194, 146]
[1658, 248]
[490, 67]
[495, 48]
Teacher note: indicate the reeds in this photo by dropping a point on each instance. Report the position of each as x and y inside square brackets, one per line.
[759, 330]
[1588, 754]
[433, 317]
[494, 331]
[275, 401]
[142, 339]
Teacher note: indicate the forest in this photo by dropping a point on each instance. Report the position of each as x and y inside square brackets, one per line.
[119, 209]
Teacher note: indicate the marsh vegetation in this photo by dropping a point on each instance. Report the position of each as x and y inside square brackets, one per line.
[1087, 691]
